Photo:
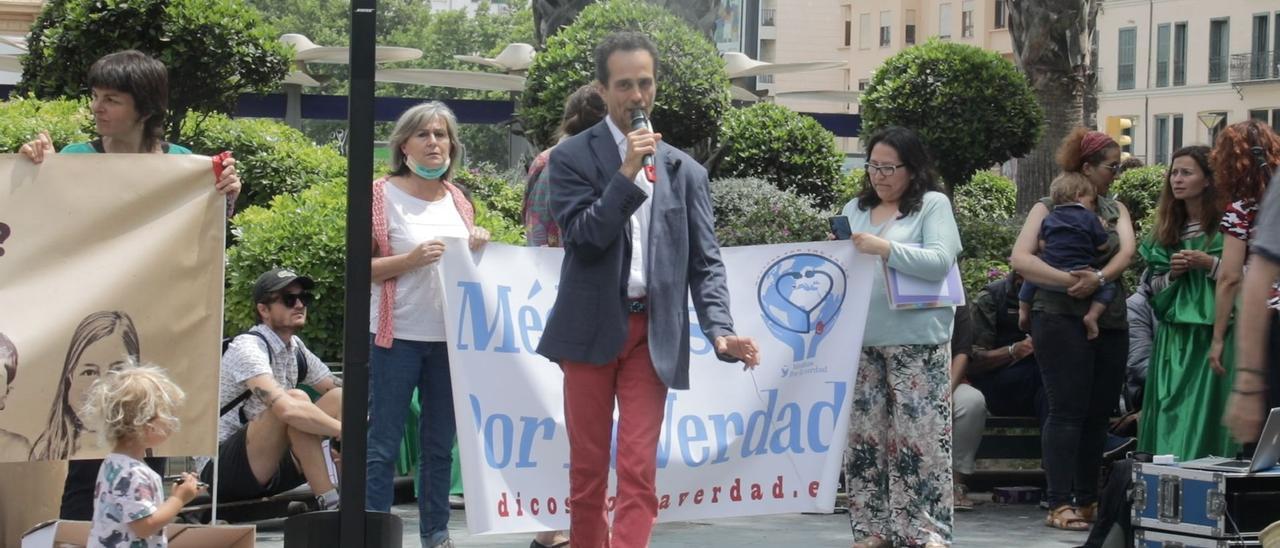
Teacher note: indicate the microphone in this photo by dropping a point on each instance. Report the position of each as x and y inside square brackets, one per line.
[639, 120]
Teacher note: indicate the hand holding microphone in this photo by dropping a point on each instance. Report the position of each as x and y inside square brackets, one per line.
[642, 143]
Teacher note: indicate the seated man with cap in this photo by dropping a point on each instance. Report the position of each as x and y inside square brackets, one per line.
[270, 434]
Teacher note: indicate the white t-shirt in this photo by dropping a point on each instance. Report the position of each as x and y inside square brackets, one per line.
[127, 490]
[419, 311]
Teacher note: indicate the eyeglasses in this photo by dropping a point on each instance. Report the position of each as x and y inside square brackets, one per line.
[1115, 168]
[885, 170]
[290, 300]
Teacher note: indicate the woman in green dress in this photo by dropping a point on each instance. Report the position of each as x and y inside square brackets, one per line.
[1185, 394]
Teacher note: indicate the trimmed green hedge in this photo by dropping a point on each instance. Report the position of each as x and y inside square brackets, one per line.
[752, 211]
[67, 121]
[1139, 190]
[693, 88]
[272, 158]
[788, 149]
[987, 196]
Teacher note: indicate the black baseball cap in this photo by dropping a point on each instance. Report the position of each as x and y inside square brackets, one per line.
[276, 279]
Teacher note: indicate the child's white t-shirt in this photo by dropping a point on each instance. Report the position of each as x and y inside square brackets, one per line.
[127, 490]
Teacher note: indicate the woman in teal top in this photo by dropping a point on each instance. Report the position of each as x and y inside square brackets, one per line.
[130, 94]
[898, 462]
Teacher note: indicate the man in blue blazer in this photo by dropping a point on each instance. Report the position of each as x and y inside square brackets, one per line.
[635, 249]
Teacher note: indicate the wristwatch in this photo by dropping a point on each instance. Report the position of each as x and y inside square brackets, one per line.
[1102, 279]
[1011, 354]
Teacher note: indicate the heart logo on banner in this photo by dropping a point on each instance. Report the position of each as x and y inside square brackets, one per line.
[809, 289]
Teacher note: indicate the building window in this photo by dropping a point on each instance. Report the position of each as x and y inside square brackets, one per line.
[1162, 140]
[864, 31]
[1002, 15]
[1177, 133]
[1180, 54]
[966, 19]
[886, 21]
[910, 35]
[863, 83]
[847, 13]
[1128, 58]
[1269, 116]
[944, 20]
[1219, 49]
[1162, 55]
[1261, 33]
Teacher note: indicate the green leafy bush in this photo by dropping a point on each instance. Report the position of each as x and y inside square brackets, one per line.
[752, 211]
[67, 121]
[977, 273]
[693, 89]
[987, 239]
[987, 196]
[496, 191]
[214, 49]
[307, 233]
[788, 149]
[847, 187]
[272, 158]
[501, 229]
[1139, 190]
[971, 106]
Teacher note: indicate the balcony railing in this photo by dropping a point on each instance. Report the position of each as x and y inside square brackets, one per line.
[1252, 67]
[767, 16]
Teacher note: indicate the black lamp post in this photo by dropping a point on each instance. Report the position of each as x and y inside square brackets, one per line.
[353, 526]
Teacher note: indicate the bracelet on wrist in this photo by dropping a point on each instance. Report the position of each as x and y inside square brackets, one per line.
[1252, 370]
[1257, 392]
[1011, 354]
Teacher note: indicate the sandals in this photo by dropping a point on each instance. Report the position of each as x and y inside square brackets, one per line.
[536, 544]
[1067, 518]
[1089, 513]
[873, 542]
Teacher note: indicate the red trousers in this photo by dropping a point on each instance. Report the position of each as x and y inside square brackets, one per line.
[589, 393]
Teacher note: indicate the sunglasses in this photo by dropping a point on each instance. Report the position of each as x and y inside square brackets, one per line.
[290, 300]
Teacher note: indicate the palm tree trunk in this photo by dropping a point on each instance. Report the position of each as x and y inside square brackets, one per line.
[1062, 111]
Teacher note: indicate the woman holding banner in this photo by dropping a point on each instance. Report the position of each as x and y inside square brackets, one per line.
[129, 99]
[413, 209]
[898, 462]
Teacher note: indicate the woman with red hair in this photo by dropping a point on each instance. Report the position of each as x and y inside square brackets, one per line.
[1082, 376]
[1244, 160]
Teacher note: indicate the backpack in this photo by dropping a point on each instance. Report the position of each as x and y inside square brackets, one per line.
[300, 359]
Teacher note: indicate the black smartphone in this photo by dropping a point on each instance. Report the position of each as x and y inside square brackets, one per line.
[840, 227]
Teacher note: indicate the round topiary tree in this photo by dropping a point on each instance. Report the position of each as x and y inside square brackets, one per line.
[971, 106]
[751, 211]
[214, 49]
[790, 150]
[272, 157]
[693, 89]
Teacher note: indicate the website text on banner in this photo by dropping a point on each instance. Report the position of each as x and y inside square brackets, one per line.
[734, 445]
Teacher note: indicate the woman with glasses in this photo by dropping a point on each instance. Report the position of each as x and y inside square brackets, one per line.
[414, 209]
[1082, 376]
[898, 461]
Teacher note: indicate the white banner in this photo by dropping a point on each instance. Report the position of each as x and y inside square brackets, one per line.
[736, 444]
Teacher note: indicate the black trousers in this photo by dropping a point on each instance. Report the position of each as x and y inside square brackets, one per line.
[1082, 381]
[77, 490]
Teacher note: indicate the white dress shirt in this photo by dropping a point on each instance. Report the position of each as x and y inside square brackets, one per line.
[639, 220]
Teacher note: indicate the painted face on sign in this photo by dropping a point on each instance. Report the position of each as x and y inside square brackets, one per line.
[106, 355]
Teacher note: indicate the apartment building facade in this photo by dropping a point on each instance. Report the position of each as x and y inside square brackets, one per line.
[865, 33]
[1181, 70]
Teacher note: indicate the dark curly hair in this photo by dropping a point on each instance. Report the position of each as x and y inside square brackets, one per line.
[914, 157]
[584, 108]
[1244, 158]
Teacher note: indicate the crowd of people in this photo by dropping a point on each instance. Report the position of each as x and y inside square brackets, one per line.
[1060, 339]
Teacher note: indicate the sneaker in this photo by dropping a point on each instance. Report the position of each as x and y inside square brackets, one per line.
[456, 502]
[446, 543]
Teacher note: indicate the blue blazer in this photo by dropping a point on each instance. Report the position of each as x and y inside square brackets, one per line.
[592, 203]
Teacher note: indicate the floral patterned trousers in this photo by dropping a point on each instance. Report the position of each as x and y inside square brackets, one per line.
[898, 463]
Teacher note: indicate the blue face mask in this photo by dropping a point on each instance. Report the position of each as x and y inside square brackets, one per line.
[426, 172]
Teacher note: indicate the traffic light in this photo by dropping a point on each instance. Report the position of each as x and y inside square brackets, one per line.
[1120, 128]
